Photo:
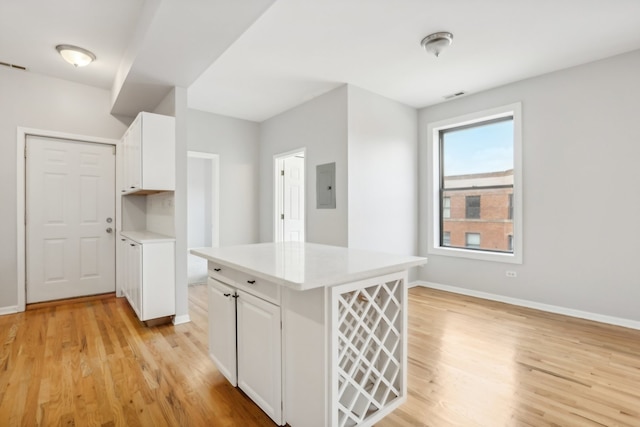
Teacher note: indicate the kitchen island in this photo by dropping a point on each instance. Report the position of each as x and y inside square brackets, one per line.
[315, 335]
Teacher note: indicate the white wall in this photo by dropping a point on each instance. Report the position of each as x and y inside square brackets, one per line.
[175, 104]
[383, 174]
[320, 126]
[581, 156]
[39, 102]
[236, 142]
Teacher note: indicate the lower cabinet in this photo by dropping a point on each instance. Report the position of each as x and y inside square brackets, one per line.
[245, 344]
[149, 277]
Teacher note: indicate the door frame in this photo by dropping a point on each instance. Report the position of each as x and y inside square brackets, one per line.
[278, 196]
[214, 160]
[21, 143]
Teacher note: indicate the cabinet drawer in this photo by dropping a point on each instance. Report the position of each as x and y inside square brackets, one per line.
[264, 289]
[221, 273]
[259, 287]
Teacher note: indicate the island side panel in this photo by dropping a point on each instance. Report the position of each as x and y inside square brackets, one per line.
[368, 353]
[305, 364]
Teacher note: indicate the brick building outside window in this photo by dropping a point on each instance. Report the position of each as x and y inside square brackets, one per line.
[480, 209]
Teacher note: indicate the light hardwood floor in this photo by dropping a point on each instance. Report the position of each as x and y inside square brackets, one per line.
[471, 363]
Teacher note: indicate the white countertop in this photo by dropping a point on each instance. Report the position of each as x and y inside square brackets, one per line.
[144, 236]
[305, 266]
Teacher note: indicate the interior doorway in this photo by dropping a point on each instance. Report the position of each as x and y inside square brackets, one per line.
[289, 196]
[202, 210]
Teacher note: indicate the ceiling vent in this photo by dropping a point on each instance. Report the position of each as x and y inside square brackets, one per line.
[454, 95]
[17, 67]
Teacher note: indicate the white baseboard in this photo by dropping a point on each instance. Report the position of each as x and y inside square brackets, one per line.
[179, 320]
[611, 320]
[12, 309]
[414, 284]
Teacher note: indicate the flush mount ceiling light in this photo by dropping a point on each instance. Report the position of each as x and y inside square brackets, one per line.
[436, 42]
[76, 56]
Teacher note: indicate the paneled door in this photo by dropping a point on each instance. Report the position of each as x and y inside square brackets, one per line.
[293, 199]
[70, 205]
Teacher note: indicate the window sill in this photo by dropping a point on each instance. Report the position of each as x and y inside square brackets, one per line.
[477, 255]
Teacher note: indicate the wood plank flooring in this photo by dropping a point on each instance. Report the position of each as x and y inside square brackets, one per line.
[471, 363]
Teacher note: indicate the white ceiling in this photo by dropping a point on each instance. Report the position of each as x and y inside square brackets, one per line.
[299, 49]
[31, 29]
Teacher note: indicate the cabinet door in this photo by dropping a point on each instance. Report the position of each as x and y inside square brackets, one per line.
[134, 280]
[122, 159]
[222, 329]
[121, 266]
[259, 353]
[134, 154]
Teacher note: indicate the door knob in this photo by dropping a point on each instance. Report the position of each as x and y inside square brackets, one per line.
[109, 230]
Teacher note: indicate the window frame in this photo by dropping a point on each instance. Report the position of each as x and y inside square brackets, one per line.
[466, 240]
[446, 210]
[446, 234]
[434, 210]
[468, 210]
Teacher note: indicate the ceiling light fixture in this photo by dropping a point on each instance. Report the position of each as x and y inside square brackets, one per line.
[436, 42]
[76, 56]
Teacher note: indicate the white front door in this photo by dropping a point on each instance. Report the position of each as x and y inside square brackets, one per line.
[70, 205]
[293, 199]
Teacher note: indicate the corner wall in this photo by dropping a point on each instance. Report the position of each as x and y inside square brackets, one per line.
[581, 150]
[236, 142]
[320, 126]
[383, 174]
[175, 104]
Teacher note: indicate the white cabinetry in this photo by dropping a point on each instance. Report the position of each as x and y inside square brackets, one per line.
[222, 329]
[259, 351]
[342, 335]
[149, 154]
[149, 274]
[146, 253]
[241, 318]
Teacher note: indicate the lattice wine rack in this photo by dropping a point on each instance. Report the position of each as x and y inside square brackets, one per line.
[368, 350]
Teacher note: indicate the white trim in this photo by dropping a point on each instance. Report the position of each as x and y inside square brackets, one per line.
[611, 320]
[22, 133]
[278, 159]
[433, 159]
[12, 309]
[179, 320]
[215, 190]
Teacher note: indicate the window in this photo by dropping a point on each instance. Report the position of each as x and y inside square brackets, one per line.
[472, 240]
[446, 207]
[476, 163]
[446, 238]
[472, 207]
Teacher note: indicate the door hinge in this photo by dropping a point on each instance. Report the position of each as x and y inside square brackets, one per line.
[114, 149]
[281, 216]
[282, 172]
[25, 151]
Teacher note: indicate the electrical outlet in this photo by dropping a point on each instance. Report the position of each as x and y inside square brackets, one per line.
[511, 273]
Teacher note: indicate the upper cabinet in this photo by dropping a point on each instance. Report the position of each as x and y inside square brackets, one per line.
[149, 155]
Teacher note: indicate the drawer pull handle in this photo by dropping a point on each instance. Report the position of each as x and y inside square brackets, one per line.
[217, 269]
[251, 282]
